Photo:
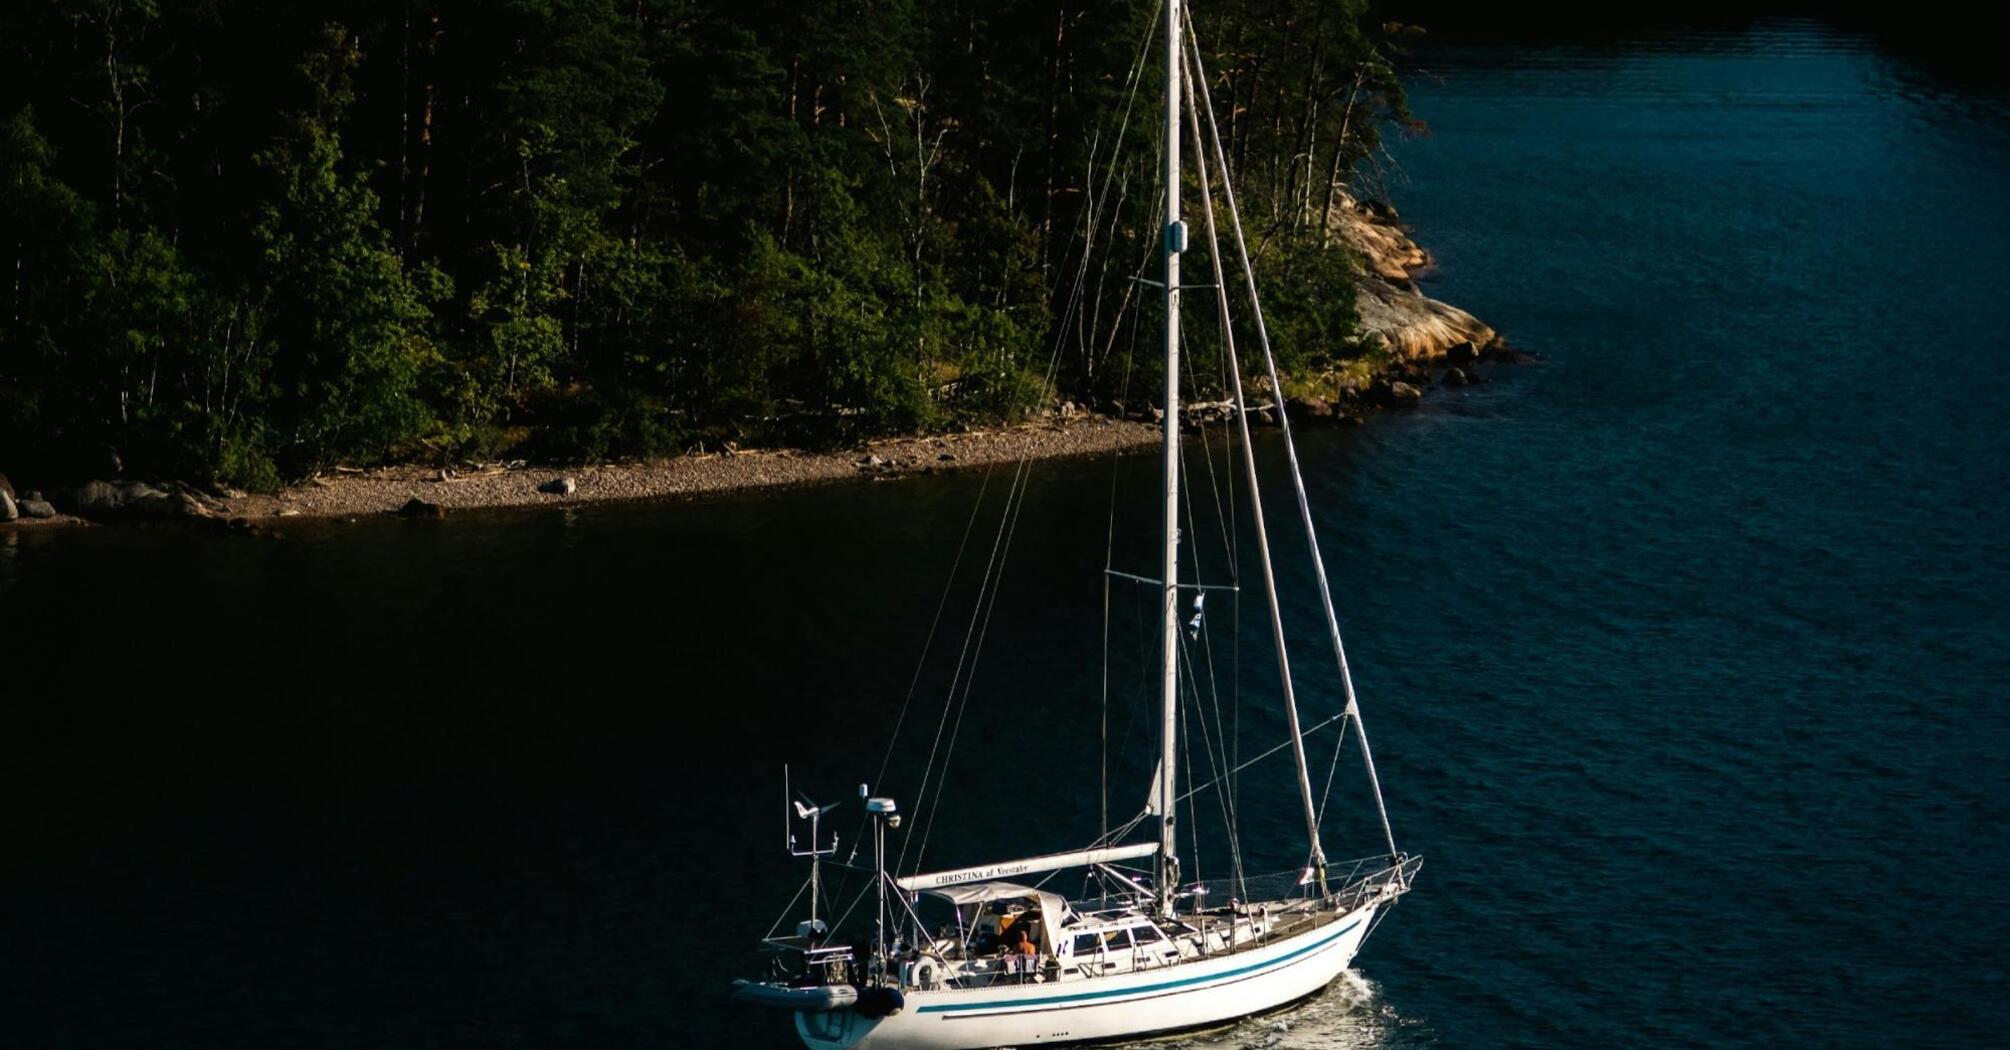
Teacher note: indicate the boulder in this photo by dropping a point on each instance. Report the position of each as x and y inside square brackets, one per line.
[418, 508]
[559, 487]
[137, 501]
[1455, 377]
[1498, 352]
[1308, 409]
[8, 512]
[1394, 393]
[36, 508]
[97, 499]
[7, 487]
[1461, 353]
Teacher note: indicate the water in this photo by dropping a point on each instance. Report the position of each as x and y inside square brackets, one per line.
[1685, 651]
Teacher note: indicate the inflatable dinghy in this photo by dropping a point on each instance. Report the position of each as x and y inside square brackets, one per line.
[817, 1000]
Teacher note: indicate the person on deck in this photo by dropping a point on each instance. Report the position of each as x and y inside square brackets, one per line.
[1021, 957]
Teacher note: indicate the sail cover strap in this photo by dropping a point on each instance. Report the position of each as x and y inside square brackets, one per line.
[1010, 868]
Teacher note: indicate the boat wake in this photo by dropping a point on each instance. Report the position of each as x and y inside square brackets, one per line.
[1349, 1015]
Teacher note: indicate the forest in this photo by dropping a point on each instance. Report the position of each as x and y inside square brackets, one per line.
[246, 241]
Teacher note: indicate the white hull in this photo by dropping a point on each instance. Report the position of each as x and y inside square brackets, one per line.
[1188, 995]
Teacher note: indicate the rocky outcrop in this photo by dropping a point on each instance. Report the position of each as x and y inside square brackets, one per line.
[1373, 229]
[1414, 326]
[1393, 311]
[139, 501]
[23, 505]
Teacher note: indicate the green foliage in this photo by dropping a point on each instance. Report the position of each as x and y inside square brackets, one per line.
[347, 324]
[262, 243]
[1309, 305]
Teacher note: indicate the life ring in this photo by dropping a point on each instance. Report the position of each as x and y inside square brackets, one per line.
[924, 973]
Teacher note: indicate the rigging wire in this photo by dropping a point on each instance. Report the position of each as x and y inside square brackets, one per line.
[1214, 766]
[1269, 579]
[980, 621]
[1329, 720]
[1352, 707]
[988, 592]
[1109, 562]
[948, 586]
[1206, 636]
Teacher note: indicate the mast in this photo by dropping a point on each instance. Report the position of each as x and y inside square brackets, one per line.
[1174, 243]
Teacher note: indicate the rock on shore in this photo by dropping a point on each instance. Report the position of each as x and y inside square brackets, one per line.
[138, 501]
[1411, 324]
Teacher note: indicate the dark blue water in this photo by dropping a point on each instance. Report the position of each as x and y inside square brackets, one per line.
[1685, 652]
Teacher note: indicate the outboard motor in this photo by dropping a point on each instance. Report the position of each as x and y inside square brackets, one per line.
[879, 1002]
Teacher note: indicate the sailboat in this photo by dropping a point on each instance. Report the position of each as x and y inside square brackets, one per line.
[1022, 964]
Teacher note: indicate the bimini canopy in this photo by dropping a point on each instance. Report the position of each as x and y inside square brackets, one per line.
[984, 892]
[1053, 909]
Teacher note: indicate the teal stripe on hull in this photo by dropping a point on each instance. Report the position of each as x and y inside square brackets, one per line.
[1050, 1000]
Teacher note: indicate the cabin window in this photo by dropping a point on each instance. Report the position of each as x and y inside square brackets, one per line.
[1147, 934]
[1087, 943]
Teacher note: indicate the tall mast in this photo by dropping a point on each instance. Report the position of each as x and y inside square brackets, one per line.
[1174, 243]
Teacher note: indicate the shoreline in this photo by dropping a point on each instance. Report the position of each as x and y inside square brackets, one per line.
[1419, 333]
[391, 490]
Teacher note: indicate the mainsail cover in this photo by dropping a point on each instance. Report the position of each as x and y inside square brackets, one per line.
[1008, 869]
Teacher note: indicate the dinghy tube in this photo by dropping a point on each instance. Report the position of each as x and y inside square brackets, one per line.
[814, 1000]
